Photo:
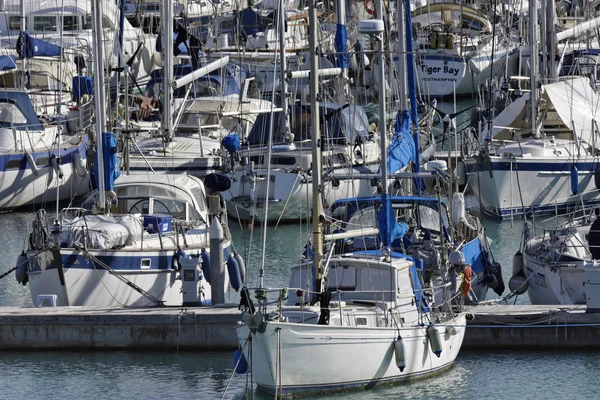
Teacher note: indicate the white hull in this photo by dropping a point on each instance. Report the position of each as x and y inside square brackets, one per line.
[87, 286]
[320, 358]
[541, 185]
[289, 197]
[564, 285]
[99, 288]
[21, 187]
[440, 74]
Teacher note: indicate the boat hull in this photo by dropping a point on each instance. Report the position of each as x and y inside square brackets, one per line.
[87, 284]
[564, 285]
[511, 188]
[25, 186]
[321, 358]
[290, 195]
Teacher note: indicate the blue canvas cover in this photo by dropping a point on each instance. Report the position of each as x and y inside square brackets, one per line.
[342, 59]
[111, 162]
[7, 63]
[402, 149]
[82, 85]
[29, 119]
[389, 228]
[36, 47]
[474, 255]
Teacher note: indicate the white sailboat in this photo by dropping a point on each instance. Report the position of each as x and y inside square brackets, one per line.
[363, 307]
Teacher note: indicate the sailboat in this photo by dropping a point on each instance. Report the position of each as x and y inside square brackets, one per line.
[359, 308]
[126, 245]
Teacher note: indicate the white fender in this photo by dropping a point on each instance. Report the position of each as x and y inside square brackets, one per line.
[80, 164]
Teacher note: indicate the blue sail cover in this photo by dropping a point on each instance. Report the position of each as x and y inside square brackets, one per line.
[36, 47]
[342, 59]
[7, 63]
[389, 228]
[111, 162]
[412, 83]
[402, 149]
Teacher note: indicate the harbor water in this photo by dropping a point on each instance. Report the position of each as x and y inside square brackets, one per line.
[492, 374]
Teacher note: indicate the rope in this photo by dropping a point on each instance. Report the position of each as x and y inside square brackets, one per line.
[287, 200]
[9, 271]
[120, 277]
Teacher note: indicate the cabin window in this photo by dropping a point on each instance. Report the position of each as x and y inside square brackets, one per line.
[342, 278]
[44, 23]
[13, 164]
[373, 279]
[10, 114]
[361, 321]
[200, 197]
[14, 23]
[71, 23]
[41, 161]
[169, 207]
[146, 263]
[430, 218]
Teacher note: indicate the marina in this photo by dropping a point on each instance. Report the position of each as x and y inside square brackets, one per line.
[289, 199]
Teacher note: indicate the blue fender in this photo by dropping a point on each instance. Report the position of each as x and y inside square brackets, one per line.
[234, 273]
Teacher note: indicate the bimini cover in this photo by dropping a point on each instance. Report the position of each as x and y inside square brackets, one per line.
[36, 47]
[577, 105]
[102, 232]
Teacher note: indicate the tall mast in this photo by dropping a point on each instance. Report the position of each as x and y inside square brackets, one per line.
[23, 45]
[316, 147]
[99, 103]
[167, 47]
[283, 64]
[401, 53]
[533, 61]
[342, 59]
[382, 115]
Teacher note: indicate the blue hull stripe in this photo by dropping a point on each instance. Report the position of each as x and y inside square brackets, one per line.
[534, 166]
[66, 156]
[159, 260]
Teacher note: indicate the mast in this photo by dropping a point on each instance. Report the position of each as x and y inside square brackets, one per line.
[412, 88]
[283, 63]
[316, 148]
[99, 103]
[342, 59]
[533, 62]
[382, 115]
[401, 53]
[23, 45]
[167, 47]
[59, 113]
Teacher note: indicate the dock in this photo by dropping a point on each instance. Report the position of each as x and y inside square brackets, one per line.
[531, 327]
[211, 328]
[165, 328]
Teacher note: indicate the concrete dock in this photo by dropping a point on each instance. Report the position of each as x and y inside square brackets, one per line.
[531, 327]
[211, 328]
[199, 328]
